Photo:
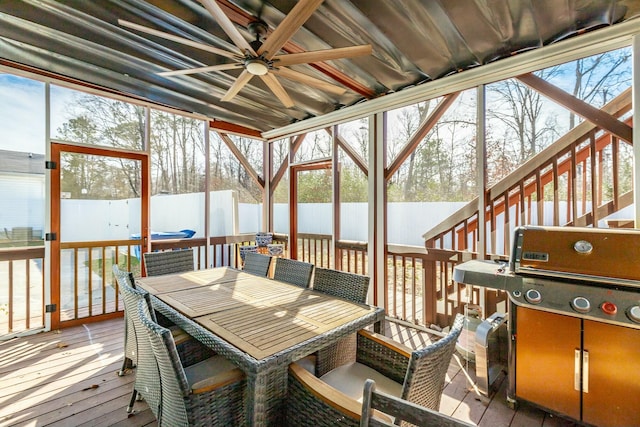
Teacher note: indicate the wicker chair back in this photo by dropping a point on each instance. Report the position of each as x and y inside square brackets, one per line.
[168, 262]
[130, 342]
[350, 286]
[147, 376]
[175, 387]
[427, 369]
[221, 404]
[257, 264]
[402, 411]
[293, 271]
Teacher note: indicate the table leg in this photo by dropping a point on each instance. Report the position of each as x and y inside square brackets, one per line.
[255, 400]
[377, 327]
[266, 397]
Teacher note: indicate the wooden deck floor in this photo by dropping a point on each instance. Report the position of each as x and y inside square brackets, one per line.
[69, 378]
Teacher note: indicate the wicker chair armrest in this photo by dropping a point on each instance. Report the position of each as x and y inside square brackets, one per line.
[386, 356]
[387, 342]
[323, 392]
[217, 381]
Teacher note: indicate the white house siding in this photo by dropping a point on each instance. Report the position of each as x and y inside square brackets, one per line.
[22, 201]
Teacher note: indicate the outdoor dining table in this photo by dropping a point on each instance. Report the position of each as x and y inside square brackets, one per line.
[259, 324]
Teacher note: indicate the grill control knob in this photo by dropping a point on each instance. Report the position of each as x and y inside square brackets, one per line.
[533, 296]
[634, 313]
[609, 308]
[581, 305]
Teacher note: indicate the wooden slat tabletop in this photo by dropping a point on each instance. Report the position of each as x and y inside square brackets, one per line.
[157, 285]
[221, 291]
[262, 288]
[203, 300]
[257, 315]
[272, 326]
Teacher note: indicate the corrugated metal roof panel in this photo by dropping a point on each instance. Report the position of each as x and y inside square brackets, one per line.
[413, 41]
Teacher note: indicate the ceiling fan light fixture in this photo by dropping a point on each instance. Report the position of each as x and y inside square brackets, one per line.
[256, 66]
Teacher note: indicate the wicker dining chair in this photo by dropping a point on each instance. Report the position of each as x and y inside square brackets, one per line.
[293, 271]
[417, 376]
[209, 393]
[400, 410]
[123, 279]
[353, 287]
[190, 349]
[257, 264]
[168, 262]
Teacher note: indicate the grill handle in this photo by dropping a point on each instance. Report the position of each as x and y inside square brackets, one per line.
[581, 379]
[576, 369]
[585, 371]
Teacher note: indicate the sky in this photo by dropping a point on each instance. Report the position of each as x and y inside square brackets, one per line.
[22, 113]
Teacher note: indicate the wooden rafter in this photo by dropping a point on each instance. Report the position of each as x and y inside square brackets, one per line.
[226, 127]
[581, 108]
[285, 163]
[355, 157]
[242, 159]
[427, 124]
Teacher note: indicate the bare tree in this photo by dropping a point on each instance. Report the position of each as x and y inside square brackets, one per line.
[601, 77]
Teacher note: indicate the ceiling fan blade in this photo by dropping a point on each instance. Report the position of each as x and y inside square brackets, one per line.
[182, 40]
[227, 26]
[219, 67]
[289, 25]
[310, 81]
[277, 89]
[240, 82]
[323, 55]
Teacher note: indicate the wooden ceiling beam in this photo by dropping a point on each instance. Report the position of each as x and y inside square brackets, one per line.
[226, 127]
[578, 106]
[427, 124]
[242, 159]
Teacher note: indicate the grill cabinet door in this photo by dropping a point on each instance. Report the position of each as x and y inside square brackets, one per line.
[546, 345]
[614, 375]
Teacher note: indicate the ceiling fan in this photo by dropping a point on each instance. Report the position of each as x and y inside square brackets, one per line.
[261, 58]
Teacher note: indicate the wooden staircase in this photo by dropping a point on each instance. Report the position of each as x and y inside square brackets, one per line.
[577, 177]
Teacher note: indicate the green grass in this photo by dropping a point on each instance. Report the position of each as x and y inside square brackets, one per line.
[123, 264]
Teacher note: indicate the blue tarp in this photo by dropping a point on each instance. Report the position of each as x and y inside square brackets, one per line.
[163, 235]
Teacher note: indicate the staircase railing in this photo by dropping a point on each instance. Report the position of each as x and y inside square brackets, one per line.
[567, 181]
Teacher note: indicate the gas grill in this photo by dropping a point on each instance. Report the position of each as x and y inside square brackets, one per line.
[574, 320]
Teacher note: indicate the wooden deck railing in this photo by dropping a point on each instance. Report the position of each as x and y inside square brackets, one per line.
[22, 307]
[315, 248]
[87, 285]
[352, 257]
[418, 290]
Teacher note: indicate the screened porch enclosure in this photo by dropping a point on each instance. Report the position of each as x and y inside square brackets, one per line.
[226, 187]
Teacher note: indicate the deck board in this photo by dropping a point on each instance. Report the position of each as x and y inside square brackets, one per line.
[46, 385]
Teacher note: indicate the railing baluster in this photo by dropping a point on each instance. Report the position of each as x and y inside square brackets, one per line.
[11, 302]
[90, 283]
[615, 153]
[27, 293]
[595, 200]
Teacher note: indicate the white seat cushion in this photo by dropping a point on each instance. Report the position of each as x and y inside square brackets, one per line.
[203, 373]
[350, 379]
[308, 363]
